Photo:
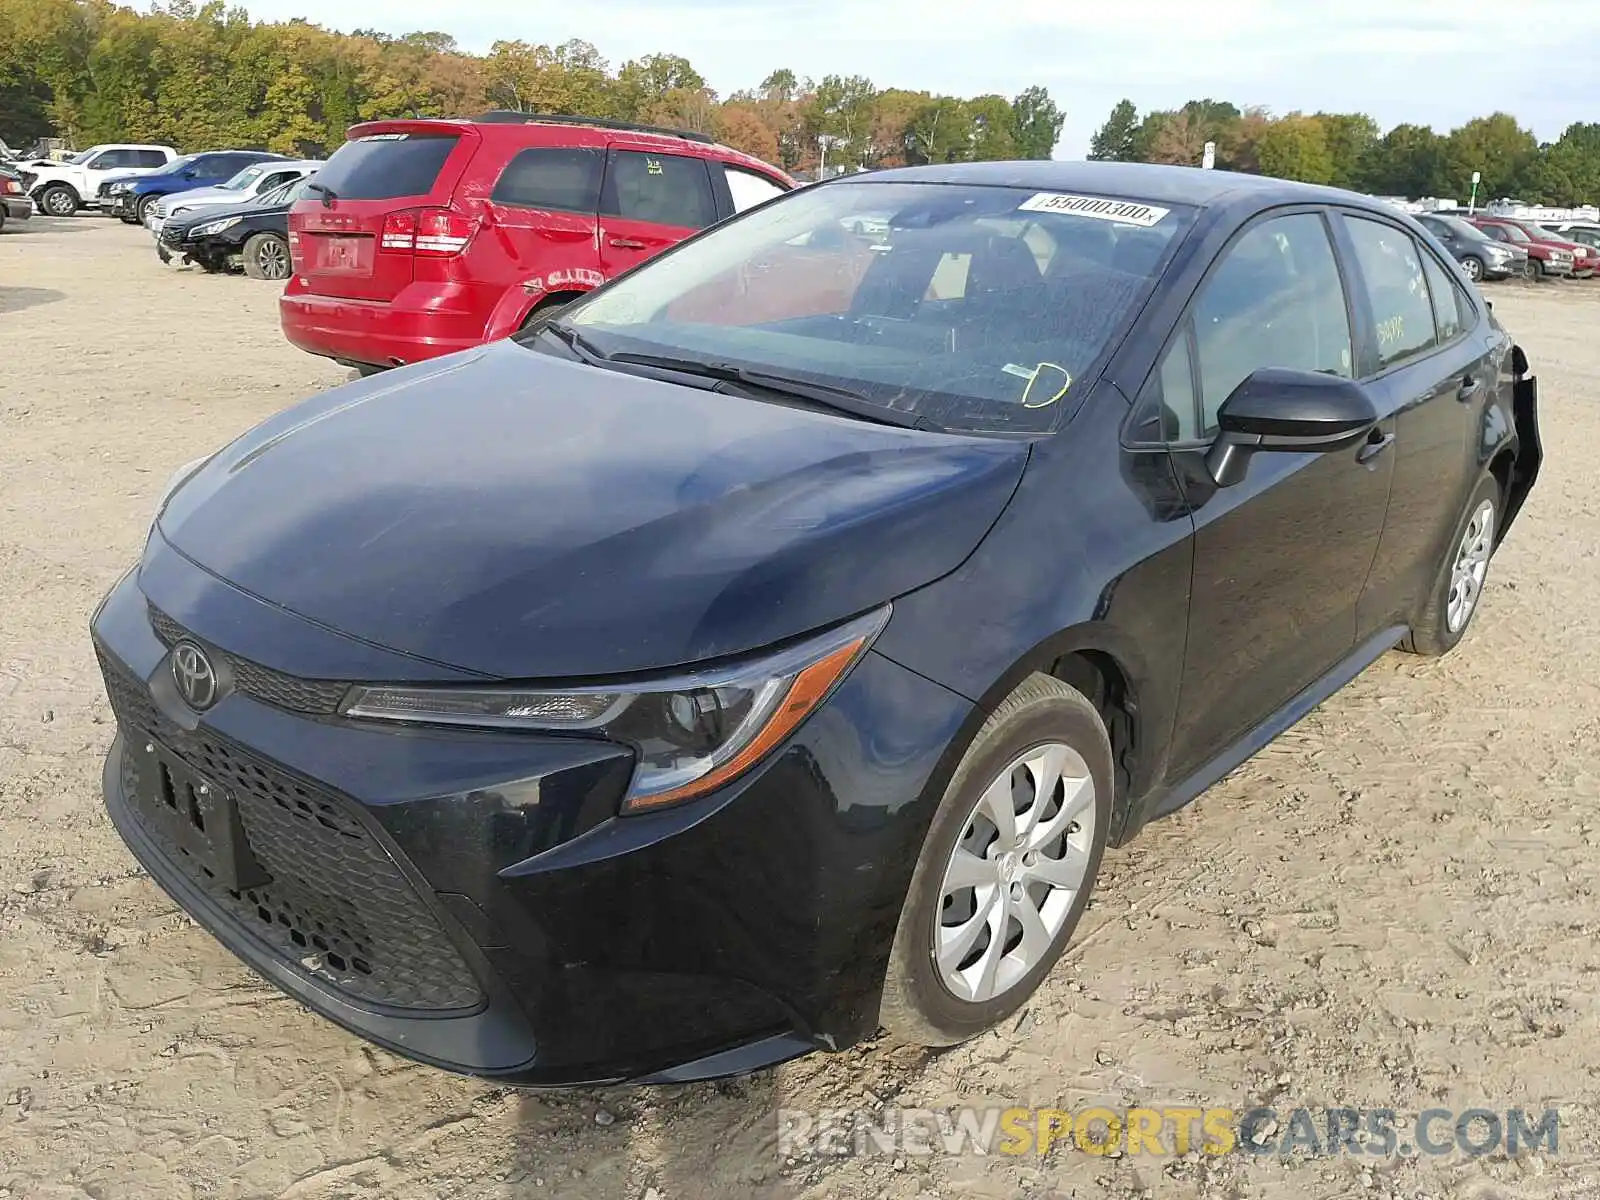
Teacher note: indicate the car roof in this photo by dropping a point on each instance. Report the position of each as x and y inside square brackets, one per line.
[1154, 182]
[568, 131]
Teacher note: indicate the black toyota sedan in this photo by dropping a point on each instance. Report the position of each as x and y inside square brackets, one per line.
[253, 238]
[765, 649]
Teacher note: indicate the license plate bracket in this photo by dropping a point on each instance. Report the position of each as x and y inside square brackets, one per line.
[197, 816]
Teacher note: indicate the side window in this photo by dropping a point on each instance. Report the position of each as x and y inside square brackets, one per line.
[149, 158]
[568, 180]
[273, 180]
[1275, 300]
[1391, 265]
[664, 189]
[749, 189]
[1171, 397]
[1448, 305]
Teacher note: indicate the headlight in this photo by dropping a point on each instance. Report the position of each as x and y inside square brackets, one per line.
[692, 732]
[211, 227]
[118, 188]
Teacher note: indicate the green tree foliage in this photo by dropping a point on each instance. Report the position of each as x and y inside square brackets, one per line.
[1347, 150]
[200, 75]
[1296, 147]
[1038, 123]
[1114, 141]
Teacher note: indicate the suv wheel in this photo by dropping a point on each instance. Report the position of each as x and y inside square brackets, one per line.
[58, 200]
[1473, 266]
[1006, 870]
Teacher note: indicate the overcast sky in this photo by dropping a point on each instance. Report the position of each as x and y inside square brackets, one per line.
[1436, 62]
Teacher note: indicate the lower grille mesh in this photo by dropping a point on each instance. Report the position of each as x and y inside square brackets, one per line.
[337, 907]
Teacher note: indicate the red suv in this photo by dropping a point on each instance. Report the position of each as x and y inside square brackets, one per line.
[423, 237]
[1548, 253]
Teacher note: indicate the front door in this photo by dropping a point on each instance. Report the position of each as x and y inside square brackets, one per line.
[1280, 558]
[650, 201]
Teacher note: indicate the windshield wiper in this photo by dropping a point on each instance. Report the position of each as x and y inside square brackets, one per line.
[328, 194]
[577, 342]
[827, 395]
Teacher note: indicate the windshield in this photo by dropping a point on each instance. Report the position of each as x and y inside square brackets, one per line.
[1460, 228]
[243, 179]
[176, 165]
[81, 157]
[958, 306]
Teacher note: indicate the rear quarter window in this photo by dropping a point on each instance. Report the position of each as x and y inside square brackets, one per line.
[386, 166]
[568, 180]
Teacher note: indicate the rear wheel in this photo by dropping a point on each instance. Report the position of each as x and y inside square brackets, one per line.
[58, 200]
[266, 256]
[1454, 600]
[1473, 266]
[1006, 870]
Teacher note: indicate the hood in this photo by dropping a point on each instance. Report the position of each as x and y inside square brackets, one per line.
[522, 516]
[206, 195]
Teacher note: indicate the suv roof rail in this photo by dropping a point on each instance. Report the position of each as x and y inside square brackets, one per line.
[506, 116]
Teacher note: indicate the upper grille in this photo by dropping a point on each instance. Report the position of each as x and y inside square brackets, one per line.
[336, 898]
[318, 696]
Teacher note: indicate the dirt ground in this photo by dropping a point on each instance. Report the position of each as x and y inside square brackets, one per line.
[1394, 906]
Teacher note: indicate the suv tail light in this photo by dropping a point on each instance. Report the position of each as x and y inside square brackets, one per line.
[427, 232]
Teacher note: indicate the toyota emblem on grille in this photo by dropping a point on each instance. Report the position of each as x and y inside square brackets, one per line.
[195, 676]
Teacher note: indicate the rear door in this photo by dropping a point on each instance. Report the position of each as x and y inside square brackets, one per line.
[368, 194]
[543, 219]
[649, 202]
[1430, 365]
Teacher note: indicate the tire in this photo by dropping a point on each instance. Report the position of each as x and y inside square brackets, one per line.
[1536, 268]
[548, 307]
[919, 1003]
[266, 256]
[1473, 266]
[141, 210]
[58, 200]
[1440, 626]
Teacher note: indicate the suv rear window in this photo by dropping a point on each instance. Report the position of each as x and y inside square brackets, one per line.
[384, 166]
[563, 179]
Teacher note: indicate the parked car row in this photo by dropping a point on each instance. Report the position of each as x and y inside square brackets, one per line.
[1495, 247]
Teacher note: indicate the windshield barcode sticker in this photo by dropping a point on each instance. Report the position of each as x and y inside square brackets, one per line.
[1124, 212]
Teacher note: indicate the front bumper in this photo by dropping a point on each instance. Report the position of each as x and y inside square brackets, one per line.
[18, 208]
[511, 926]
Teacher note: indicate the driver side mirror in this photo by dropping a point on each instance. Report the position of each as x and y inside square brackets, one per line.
[1275, 409]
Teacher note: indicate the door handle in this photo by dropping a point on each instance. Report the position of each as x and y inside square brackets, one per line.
[1471, 385]
[622, 243]
[1374, 447]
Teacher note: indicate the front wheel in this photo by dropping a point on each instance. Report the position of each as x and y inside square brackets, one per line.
[1473, 267]
[141, 210]
[1006, 870]
[1451, 605]
[266, 256]
[1536, 268]
[58, 200]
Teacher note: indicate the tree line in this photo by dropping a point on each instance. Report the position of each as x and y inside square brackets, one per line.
[1349, 150]
[207, 76]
